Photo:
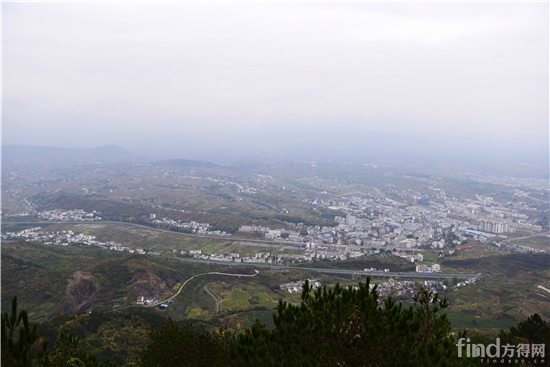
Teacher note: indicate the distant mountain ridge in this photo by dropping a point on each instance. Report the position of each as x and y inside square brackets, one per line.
[186, 163]
[52, 155]
[249, 165]
[395, 151]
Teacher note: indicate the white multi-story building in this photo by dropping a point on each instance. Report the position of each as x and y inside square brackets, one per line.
[493, 227]
[350, 220]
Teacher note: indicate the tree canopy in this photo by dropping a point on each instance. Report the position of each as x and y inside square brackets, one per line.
[339, 326]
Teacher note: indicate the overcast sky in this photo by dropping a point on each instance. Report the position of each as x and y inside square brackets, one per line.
[88, 74]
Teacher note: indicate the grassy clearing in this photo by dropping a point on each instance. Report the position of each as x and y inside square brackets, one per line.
[538, 242]
[264, 317]
[243, 296]
[250, 248]
[430, 257]
[462, 320]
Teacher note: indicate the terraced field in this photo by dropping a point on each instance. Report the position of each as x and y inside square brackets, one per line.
[243, 295]
[506, 294]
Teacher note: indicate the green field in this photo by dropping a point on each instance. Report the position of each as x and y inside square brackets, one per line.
[493, 324]
[243, 296]
[538, 242]
[164, 241]
[507, 292]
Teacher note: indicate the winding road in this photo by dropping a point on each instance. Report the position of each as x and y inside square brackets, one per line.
[194, 276]
[216, 299]
[218, 302]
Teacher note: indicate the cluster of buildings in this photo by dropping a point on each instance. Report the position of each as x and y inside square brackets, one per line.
[494, 227]
[374, 270]
[68, 215]
[66, 238]
[424, 268]
[406, 288]
[518, 248]
[260, 257]
[408, 256]
[61, 238]
[141, 300]
[194, 227]
[468, 281]
[371, 224]
[296, 287]
[388, 288]
[258, 229]
[395, 288]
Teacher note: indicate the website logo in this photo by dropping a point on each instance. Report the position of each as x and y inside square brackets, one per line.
[496, 353]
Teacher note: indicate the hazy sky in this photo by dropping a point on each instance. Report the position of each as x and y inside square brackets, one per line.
[88, 74]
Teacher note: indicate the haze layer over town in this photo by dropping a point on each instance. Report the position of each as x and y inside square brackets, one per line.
[224, 81]
[199, 162]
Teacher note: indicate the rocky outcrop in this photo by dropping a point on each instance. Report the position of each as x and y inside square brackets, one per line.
[80, 293]
[146, 283]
